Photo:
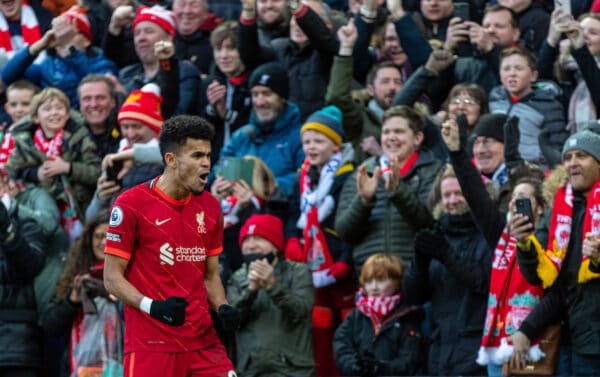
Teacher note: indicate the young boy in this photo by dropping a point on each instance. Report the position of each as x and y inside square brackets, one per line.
[18, 99]
[313, 207]
[535, 104]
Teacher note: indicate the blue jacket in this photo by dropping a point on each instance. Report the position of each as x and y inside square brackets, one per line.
[58, 72]
[281, 150]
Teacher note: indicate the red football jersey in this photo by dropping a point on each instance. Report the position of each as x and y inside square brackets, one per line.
[166, 242]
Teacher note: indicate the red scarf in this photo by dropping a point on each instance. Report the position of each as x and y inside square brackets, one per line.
[511, 298]
[376, 308]
[551, 259]
[30, 29]
[7, 147]
[316, 251]
[50, 147]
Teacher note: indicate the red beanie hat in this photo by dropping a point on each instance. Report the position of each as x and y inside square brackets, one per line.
[268, 227]
[78, 15]
[158, 15]
[143, 105]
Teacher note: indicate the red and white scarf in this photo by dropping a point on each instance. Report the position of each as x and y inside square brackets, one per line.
[50, 147]
[384, 164]
[230, 208]
[376, 308]
[551, 259]
[7, 147]
[30, 30]
[315, 206]
[511, 298]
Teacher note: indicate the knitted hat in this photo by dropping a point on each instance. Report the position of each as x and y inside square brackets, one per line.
[585, 140]
[157, 14]
[78, 15]
[491, 125]
[143, 105]
[327, 121]
[268, 227]
[273, 76]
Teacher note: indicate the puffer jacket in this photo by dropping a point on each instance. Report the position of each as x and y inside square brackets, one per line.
[274, 338]
[77, 148]
[397, 346]
[21, 259]
[458, 290]
[537, 111]
[388, 225]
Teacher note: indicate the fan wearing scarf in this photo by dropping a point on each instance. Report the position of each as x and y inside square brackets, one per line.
[313, 240]
[21, 24]
[381, 337]
[56, 153]
[383, 204]
[570, 263]
[274, 297]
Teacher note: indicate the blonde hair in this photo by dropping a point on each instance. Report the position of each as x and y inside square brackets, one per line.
[263, 180]
[383, 266]
[46, 94]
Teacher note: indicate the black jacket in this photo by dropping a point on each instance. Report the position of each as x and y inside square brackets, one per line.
[458, 290]
[21, 259]
[398, 346]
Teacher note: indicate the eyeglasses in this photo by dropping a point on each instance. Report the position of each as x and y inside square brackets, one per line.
[485, 142]
[100, 236]
[464, 101]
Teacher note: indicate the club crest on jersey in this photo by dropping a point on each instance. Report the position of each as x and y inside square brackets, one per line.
[116, 216]
[200, 221]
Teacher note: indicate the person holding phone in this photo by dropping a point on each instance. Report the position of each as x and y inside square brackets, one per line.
[275, 298]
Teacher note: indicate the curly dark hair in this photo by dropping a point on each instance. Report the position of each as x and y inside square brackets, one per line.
[176, 130]
[81, 255]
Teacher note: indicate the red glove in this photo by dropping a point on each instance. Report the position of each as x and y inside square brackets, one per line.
[340, 270]
[293, 250]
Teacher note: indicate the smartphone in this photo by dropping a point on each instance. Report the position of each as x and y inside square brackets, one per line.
[235, 168]
[463, 11]
[524, 207]
[565, 5]
[113, 171]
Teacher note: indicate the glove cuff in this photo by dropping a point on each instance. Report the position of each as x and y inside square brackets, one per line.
[146, 304]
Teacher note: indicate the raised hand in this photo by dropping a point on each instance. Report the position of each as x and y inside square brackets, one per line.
[367, 186]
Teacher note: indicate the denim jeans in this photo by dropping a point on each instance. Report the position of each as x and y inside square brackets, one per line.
[585, 365]
[494, 370]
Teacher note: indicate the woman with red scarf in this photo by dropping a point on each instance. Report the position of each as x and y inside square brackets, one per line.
[83, 308]
[381, 337]
[56, 153]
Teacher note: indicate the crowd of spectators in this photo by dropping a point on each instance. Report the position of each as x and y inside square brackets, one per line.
[376, 226]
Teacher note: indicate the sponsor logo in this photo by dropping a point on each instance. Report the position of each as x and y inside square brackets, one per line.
[113, 237]
[251, 229]
[160, 222]
[264, 79]
[116, 216]
[231, 373]
[170, 255]
[200, 221]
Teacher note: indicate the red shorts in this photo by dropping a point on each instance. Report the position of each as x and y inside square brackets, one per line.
[211, 362]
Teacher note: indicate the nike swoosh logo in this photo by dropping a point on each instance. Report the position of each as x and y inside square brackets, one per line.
[169, 319]
[159, 223]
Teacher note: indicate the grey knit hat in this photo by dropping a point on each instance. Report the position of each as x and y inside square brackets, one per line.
[585, 140]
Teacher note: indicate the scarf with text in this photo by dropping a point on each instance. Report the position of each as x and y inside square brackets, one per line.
[7, 147]
[315, 206]
[376, 308]
[511, 298]
[30, 29]
[230, 208]
[50, 147]
[551, 259]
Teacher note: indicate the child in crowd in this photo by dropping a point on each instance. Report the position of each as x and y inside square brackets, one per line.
[381, 337]
[18, 99]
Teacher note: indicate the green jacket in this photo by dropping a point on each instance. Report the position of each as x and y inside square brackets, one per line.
[78, 148]
[359, 122]
[389, 224]
[275, 337]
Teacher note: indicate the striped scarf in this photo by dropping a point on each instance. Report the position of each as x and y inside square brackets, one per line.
[30, 31]
[551, 259]
[7, 147]
[376, 308]
[50, 147]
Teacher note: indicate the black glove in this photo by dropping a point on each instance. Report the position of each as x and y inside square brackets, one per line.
[368, 364]
[170, 311]
[432, 243]
[229, 317]
[4, 221]
[463, 126]
[512, 138]
[550, 152]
